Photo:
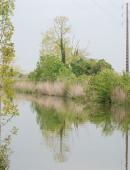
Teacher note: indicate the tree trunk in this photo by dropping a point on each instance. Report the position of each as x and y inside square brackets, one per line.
[62, 46]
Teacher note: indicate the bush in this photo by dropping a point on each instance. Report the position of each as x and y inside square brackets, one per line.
[89, 66]
[49, 68]
[104, 83]
[66, 74]
[125, 79]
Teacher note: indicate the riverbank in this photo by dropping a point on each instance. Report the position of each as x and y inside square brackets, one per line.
[107, 87]
[56, 88]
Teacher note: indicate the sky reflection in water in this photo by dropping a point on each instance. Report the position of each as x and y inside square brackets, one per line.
[59, 134]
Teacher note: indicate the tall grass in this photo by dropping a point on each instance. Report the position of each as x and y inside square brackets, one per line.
[76, 90]
[57, 88]
[51, 88]
[25, 86]
[119, 95]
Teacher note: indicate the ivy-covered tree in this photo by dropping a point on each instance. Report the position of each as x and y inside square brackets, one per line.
[57, 41]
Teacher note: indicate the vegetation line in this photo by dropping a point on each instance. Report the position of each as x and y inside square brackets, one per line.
[57, 88]
[66, 70]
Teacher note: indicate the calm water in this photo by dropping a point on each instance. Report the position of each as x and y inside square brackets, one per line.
[57, 134]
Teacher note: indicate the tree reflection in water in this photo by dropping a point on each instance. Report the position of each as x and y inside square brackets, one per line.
[57, 118]
[55, 126]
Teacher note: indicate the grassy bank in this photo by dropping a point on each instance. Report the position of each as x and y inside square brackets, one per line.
[106, 87]
[56, 88]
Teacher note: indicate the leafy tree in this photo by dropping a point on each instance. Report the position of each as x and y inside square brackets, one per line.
[7, 54]
[56, 41]
[89, 66]
[49, 45]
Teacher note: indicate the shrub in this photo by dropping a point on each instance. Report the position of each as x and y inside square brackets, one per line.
[66, 74]
[125, 79]
[50, 68]
[89, 66]
[104, 83]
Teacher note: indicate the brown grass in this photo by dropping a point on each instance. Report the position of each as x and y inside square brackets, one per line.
[51, 88]
[25, 86]
[119, 94]
[56, 88]
[76, 90]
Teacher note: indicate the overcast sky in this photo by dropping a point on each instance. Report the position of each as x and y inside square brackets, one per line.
[96, 23]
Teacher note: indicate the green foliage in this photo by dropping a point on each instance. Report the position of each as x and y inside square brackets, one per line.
[125, 79]
[57, 41]
[66, 74]
[101, 65]
[5, 150]
[50, 68]
[61, 58]
[104, 83]
[89, 66]
[7, 54]
[4, 162]
[53, 119]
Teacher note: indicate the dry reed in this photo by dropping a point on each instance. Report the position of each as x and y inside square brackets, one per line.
[25, 86]
[76, 90]
[56, 88]
[51, 88]
[119, 94]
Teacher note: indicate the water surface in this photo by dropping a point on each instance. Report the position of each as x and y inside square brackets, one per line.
[59, 134]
